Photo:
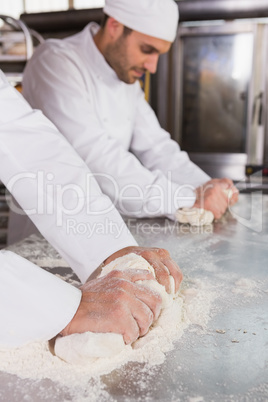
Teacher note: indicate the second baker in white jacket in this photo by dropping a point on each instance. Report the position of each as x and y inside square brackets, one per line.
[88, 86]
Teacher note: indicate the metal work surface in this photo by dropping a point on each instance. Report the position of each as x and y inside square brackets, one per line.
[228, 359]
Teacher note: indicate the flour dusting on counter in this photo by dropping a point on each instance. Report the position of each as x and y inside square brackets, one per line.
[219, 318]
[246, 287]
[44, 255]
[35, 361]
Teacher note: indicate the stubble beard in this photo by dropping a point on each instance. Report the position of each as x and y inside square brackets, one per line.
[115, 55]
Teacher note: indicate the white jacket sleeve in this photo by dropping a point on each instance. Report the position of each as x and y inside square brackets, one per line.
[134, 189]
[55, 188]
[156, 150]
[34, 305]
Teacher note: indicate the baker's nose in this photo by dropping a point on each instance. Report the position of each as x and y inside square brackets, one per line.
[151, 63]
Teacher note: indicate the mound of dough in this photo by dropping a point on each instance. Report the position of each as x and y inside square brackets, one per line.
[128, 261]
[87, 347]
[194, 216]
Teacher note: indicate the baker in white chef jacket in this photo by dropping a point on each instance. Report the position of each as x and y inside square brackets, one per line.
[50, 182]
[88, 85]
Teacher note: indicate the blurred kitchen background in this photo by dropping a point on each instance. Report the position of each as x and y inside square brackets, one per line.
[210, 91]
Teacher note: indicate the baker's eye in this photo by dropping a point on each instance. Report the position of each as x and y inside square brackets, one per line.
[147, 50]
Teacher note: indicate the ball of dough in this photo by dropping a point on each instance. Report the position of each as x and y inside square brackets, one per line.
[194, 216]
[87, 347]
[128, 261]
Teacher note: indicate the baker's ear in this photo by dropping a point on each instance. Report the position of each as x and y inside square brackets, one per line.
[114, 28]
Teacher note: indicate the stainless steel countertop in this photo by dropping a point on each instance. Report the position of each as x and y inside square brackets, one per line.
[204, 366]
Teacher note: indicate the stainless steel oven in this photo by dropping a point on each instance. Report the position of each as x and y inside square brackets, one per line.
[215, 99]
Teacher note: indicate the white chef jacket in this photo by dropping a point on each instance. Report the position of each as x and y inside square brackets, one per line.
[111, 126]
[37, 165]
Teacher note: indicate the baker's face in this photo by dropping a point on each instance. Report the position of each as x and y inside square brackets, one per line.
[133, 54]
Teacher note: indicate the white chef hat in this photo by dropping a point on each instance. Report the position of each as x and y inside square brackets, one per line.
[158, 18]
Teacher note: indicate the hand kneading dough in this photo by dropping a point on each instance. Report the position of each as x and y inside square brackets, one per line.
[87, 347]
[134, 261]
[194, 216]
[198, 216]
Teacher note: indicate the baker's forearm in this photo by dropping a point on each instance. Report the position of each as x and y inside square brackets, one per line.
[157, 151]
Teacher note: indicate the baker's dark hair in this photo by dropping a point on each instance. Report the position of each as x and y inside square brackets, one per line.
[104, 20]
[127, 31]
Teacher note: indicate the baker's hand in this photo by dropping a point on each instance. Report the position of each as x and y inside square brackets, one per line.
[159, 259]
[114, 303]
[216, 195]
